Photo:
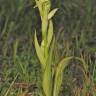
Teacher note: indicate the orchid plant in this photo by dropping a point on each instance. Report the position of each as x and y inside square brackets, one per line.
[51, 77]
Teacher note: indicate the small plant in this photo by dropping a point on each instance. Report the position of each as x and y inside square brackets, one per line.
[51, 77]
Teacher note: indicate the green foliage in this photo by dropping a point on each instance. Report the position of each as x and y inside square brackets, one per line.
[73, 35]
[51, 84]
[59, 75]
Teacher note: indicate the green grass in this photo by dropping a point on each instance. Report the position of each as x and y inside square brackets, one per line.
[75, 35]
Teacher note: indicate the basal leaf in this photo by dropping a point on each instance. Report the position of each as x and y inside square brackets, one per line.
[59, 75]
[47, 80]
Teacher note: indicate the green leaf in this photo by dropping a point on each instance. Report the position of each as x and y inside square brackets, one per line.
[39, 52]
[51, 57]
[44, 27]
[59, 75]
[47, 80]
[50, 33]
[51, 14]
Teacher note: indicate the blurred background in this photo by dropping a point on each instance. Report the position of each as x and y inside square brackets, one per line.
[75, 32]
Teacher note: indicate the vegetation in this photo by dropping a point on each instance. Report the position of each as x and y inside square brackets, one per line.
[67, 52]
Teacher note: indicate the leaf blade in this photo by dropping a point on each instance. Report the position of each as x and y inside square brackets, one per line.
[50, 33]
[58, 76]
[39, 51]
[52, 13]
